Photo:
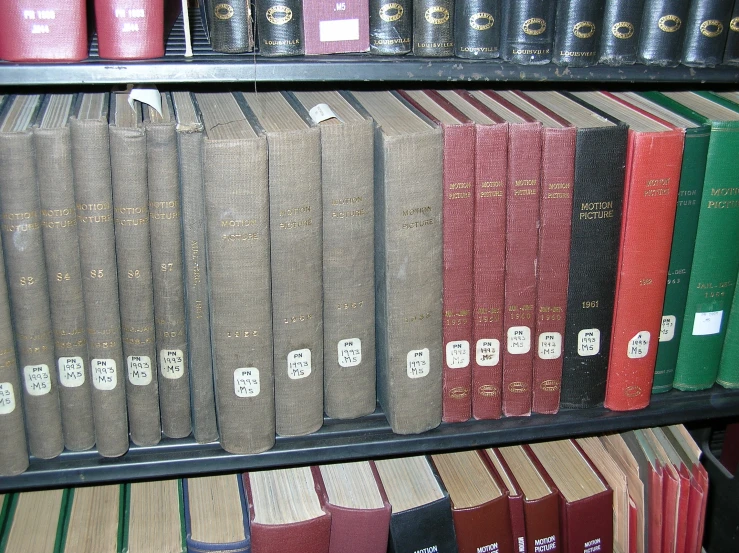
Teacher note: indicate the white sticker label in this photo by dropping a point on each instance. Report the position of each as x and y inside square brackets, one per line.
[519, 340]
[146, 95]
[7, 398]
[321, 112]
[588, 342]
[350, 352]
[298, 364]
[172, 363]
[418, 363]
[139, 370]
[707, 323]
[667, 330]
[550, 345]
[487, 352]
[639, 345]
[104, 375]
[246, 382]
[71, 371]
[343, 29]
[38, 379]
[458, 354]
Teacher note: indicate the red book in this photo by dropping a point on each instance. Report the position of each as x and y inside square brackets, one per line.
[458, 180]
[653, 161]
[633, 518]
[515, 499]
[336, 27]
[134, 29]
[43, 30]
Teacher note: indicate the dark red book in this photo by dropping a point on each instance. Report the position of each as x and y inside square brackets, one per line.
[336, 27]
[43, 30]
[515, 499]
[458, 134]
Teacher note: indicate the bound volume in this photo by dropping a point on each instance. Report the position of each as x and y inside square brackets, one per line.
[527, 33]
[228, 25]
[577, 32]
[433, 28]
[330, 30]
[390, 27]
[706, 30]
[731, 51]
[477, 29]
[619, 38]
[280, 24]
[662, 32]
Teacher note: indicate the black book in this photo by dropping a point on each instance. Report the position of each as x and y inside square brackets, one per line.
[433, 28]
[731, 52]
[390, 27]
[527, 32]
[577, 32]
[662, 32]
[705, 32]
[280, 27]
[228, 24]
[477, 29]
[619, 39]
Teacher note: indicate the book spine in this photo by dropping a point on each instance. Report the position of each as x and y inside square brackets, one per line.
[577, 32]
[522, 220]
[652, 179]
[94, 201]
[715, 267]
[165, 225]
[130, 29]
[390, 27]
[477, 29]
[297, 294]
[135, 287]
[330, 30]
[474, 535]
[728, 374]
[596, 221]
[433, 28]
[619, 39]
[230, 26]
[527, 34]
[491, 167]
[706, 30]
[731, 51]
[429, 527]
[348, 270]
[681, 257]
[280, 27]
[29, 293]
[61, 246]
[44, 31]
[662, 32]
[552, 264]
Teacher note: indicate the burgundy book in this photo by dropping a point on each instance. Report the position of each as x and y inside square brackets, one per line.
[458, 133]
[336, 27]
[43, 30]
[515, 499]
[134, 29]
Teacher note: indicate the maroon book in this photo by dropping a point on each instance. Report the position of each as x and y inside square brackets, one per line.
[458, 216]
[515, 499]
[336, 27]
[43, 30]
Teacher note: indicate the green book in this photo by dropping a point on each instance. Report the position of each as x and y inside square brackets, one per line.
[33, 521]
[154, 517]
[728, 372]
[683, 238]
[105, 507]
[716, 256]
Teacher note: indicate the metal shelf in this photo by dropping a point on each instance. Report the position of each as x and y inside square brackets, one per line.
[367, 437]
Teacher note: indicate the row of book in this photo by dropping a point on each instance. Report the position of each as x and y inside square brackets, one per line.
[640, 491]
[564, 32]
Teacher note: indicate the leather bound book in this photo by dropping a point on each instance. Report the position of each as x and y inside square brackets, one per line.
[237, 219]
[408, 263]
[577, 32]
[433, 28]
[706, 29]
[527, 31]
[165, 224]
[285, 512]
[93, 193]
[458, 216]
[229, 25]
[515, 499]
[619, 37]
[334, 28]
[477, 29]
[295, 215]
[154, 517]
[135, 281]
[653, 162]
[731, 50]
[662, 32]
[360, 512]
[491, 165]
[390, 27]
[26, 273]
[55, 178]
[43, 30]
[197, 303]
[280, 27]
[347, 181]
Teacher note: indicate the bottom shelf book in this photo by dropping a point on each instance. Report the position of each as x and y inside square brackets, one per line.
[641, 491]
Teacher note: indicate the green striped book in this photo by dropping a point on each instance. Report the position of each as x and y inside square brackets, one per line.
[154, 518]
[104, 506]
